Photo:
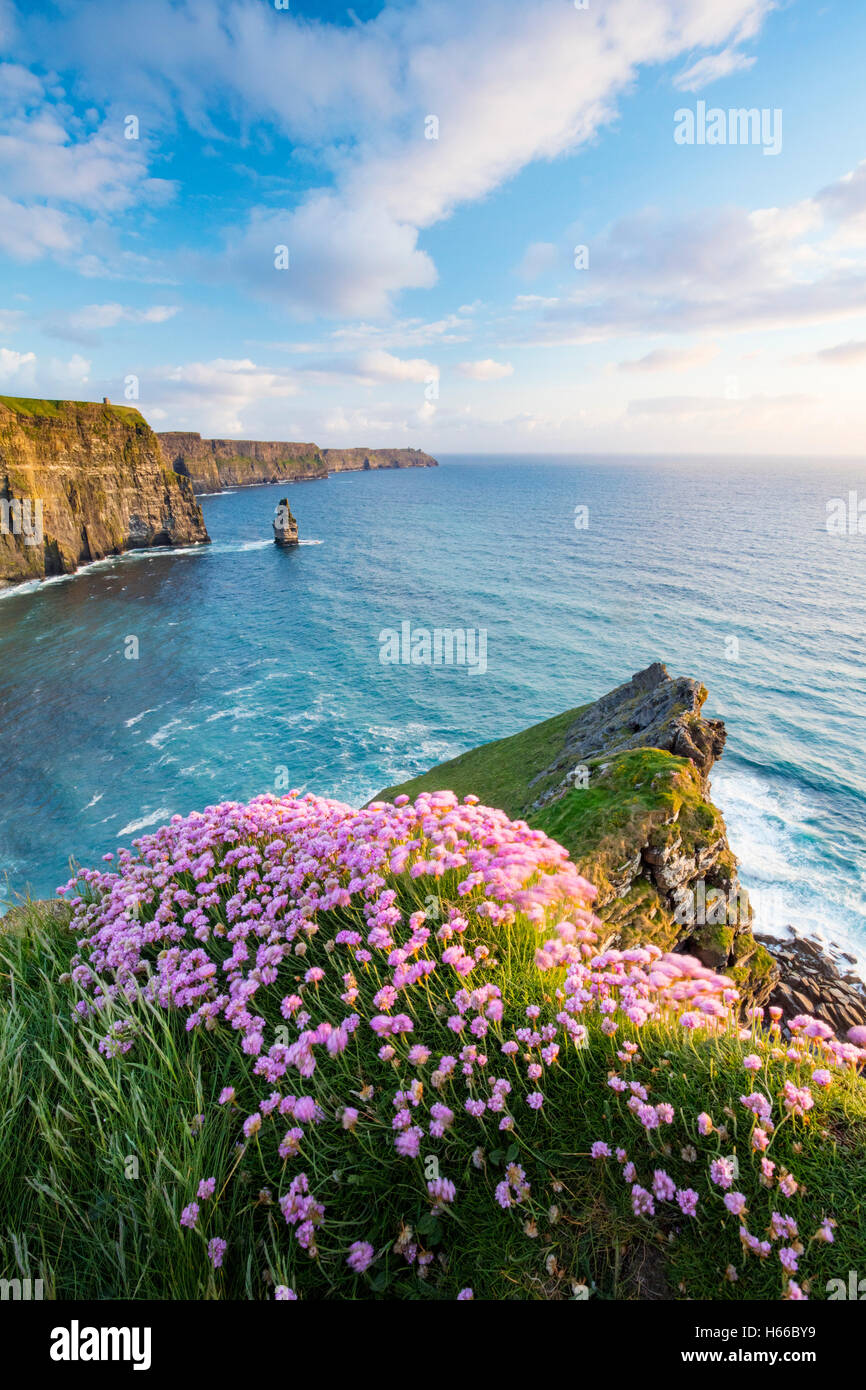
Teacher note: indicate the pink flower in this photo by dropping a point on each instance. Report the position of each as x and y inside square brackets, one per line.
[600, 1149]
[216, 1248]
[206, 1188]
[722, 1172]
[735, 1202]
[663, 1186]
[465, 1295]
[705, 1124]
[535, 1100]
[687, 1199]
[752, 1063]
[642, 1202]
[282, 1293]
[360, 1256]
[189, 1215]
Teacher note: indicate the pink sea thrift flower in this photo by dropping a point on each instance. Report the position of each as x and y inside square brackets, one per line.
[189, 1215]
[360, 1256]
[216, 1249]
[687, 1200]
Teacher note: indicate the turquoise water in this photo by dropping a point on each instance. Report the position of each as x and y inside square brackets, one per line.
[259, 668]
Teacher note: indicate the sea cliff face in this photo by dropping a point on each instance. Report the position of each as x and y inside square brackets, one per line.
[213, 464]
[358, 460]
[79, 481]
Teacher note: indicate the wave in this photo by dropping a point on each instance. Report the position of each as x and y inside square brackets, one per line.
[776, 834]
[155, 818]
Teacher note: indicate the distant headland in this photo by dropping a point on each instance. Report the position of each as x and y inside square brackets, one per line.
[213, 464]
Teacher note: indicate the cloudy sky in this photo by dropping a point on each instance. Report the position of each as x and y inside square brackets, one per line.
[492, 238]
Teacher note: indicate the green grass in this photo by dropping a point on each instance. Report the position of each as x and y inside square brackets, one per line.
[99, 1156]
[499, 772]
[45, 409]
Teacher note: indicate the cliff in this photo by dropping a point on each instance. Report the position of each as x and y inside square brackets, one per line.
[623, 784]
[79, 481]
[356, 460]
[213, 464]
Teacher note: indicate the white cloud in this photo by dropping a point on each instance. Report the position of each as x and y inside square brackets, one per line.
[16, 367]
[382, 366]
[23, 371]
[671, 359]
[343, 259]
[10, 320]
[849, 354]
[510, 82]
[718, 270]
[217, 396]
[84, 325]
[485, 370]
[711, 68]
[58, 171]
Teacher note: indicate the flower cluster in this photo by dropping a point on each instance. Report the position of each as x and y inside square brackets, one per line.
[369, 972]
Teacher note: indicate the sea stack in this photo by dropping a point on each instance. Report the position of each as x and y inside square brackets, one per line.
[285, 525]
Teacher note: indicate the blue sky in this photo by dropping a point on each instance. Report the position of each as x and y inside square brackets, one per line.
[432, 296]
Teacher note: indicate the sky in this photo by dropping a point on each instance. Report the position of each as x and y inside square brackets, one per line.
[470, 228]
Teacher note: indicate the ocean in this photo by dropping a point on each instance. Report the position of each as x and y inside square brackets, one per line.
[164, 681]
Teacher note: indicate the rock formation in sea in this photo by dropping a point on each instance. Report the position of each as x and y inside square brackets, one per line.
[213, 464]
[81, 480]
[285, 525]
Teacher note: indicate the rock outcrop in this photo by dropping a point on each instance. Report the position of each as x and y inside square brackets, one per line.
[623, 784]
[814, 981]
[285, 525]
[214, 464]
[79, 481]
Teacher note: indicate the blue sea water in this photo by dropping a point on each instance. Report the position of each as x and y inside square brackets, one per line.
[252, 660]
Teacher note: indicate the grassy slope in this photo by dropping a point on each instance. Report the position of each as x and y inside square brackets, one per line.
[44, 409]
[499, 772]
